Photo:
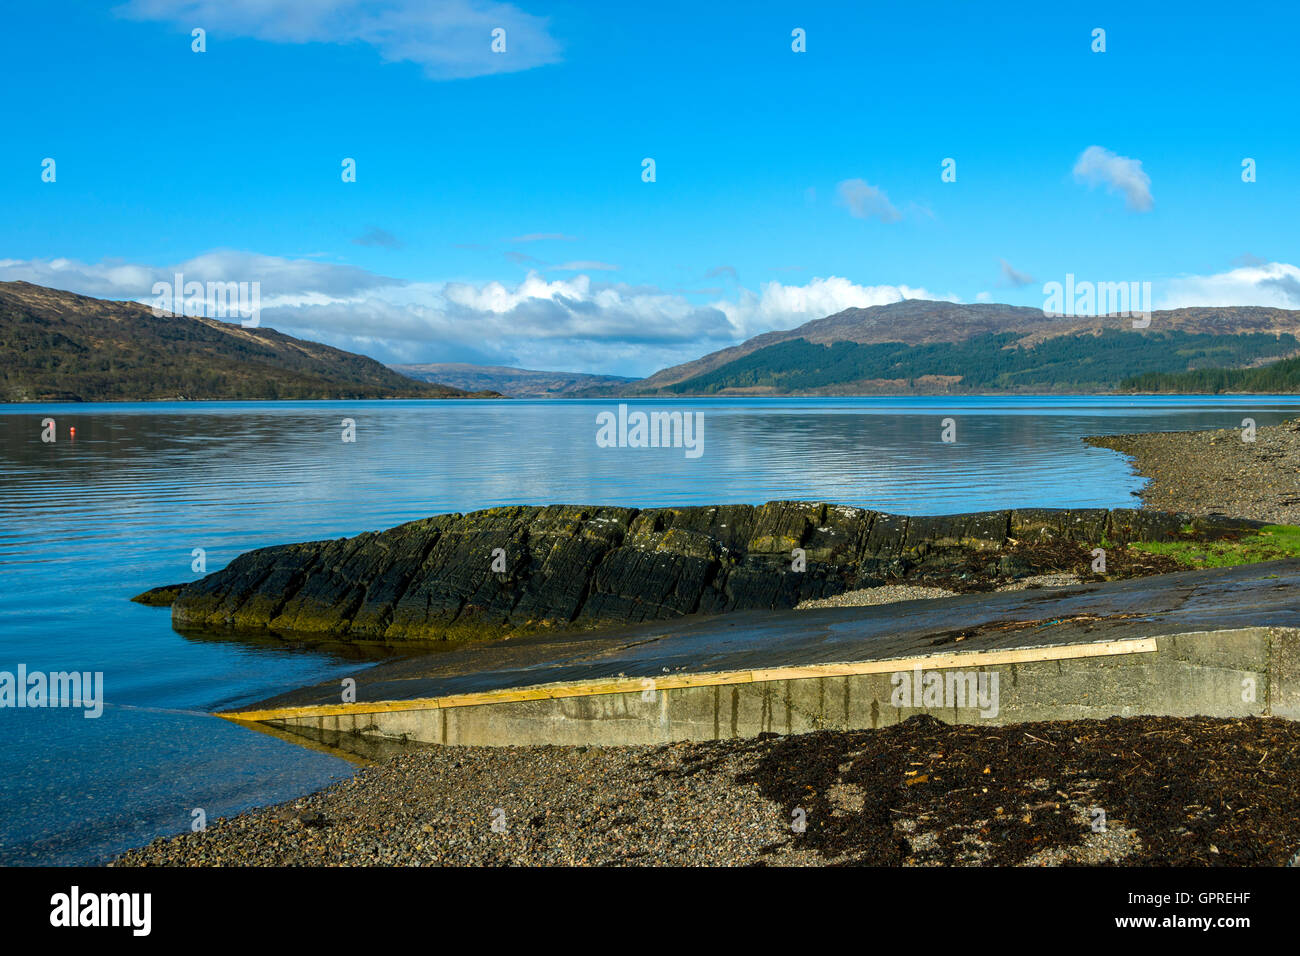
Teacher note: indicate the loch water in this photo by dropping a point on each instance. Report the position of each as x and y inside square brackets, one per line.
[86, 523]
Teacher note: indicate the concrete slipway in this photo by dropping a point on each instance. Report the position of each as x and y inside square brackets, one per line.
[1222, 642]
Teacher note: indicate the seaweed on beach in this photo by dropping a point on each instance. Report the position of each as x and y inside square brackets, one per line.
[1167, 791]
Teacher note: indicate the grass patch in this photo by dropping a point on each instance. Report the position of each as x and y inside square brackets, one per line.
[1270, 543]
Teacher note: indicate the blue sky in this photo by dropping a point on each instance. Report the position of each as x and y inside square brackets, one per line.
[788, 185]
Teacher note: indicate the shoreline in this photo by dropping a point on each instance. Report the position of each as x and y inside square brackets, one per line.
[1215, 472]
[1288, 397]
[918, 793]
[730, 802]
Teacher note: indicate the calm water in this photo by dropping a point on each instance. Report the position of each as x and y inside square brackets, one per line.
[85, 524]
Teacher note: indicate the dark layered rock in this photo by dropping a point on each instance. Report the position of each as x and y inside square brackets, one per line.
[565, 566]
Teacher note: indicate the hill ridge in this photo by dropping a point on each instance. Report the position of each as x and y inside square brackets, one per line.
[57, 345]
[928, 323]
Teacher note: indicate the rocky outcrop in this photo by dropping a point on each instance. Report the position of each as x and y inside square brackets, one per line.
[516, 570]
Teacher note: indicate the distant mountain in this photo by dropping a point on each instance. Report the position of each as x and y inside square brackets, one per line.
[923, 346]
[512, 382]
[59, 346]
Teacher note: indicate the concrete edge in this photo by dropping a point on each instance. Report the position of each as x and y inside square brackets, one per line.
[625, 685]
[288, 736]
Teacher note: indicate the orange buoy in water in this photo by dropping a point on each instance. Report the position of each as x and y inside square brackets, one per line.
[72, 432]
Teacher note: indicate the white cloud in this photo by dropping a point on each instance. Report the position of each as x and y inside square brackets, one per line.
[574, 323]
[1099, 166]
[780, 306]
[107, 279]
[283, 281]
[1274, 284]
[450, 39]
[865, 201]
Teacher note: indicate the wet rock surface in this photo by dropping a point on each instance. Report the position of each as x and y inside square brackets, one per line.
[1130, 791]
[521, 569]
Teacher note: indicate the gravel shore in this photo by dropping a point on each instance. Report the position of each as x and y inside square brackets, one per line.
[1136, 791]
[1207, 472]
[885, 594]
[893, 593]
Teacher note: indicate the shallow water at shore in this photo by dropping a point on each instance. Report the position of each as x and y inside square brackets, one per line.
[85, 524]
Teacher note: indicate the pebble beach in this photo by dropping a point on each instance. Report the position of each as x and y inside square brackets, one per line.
[1218, 471]
[1136, 791]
